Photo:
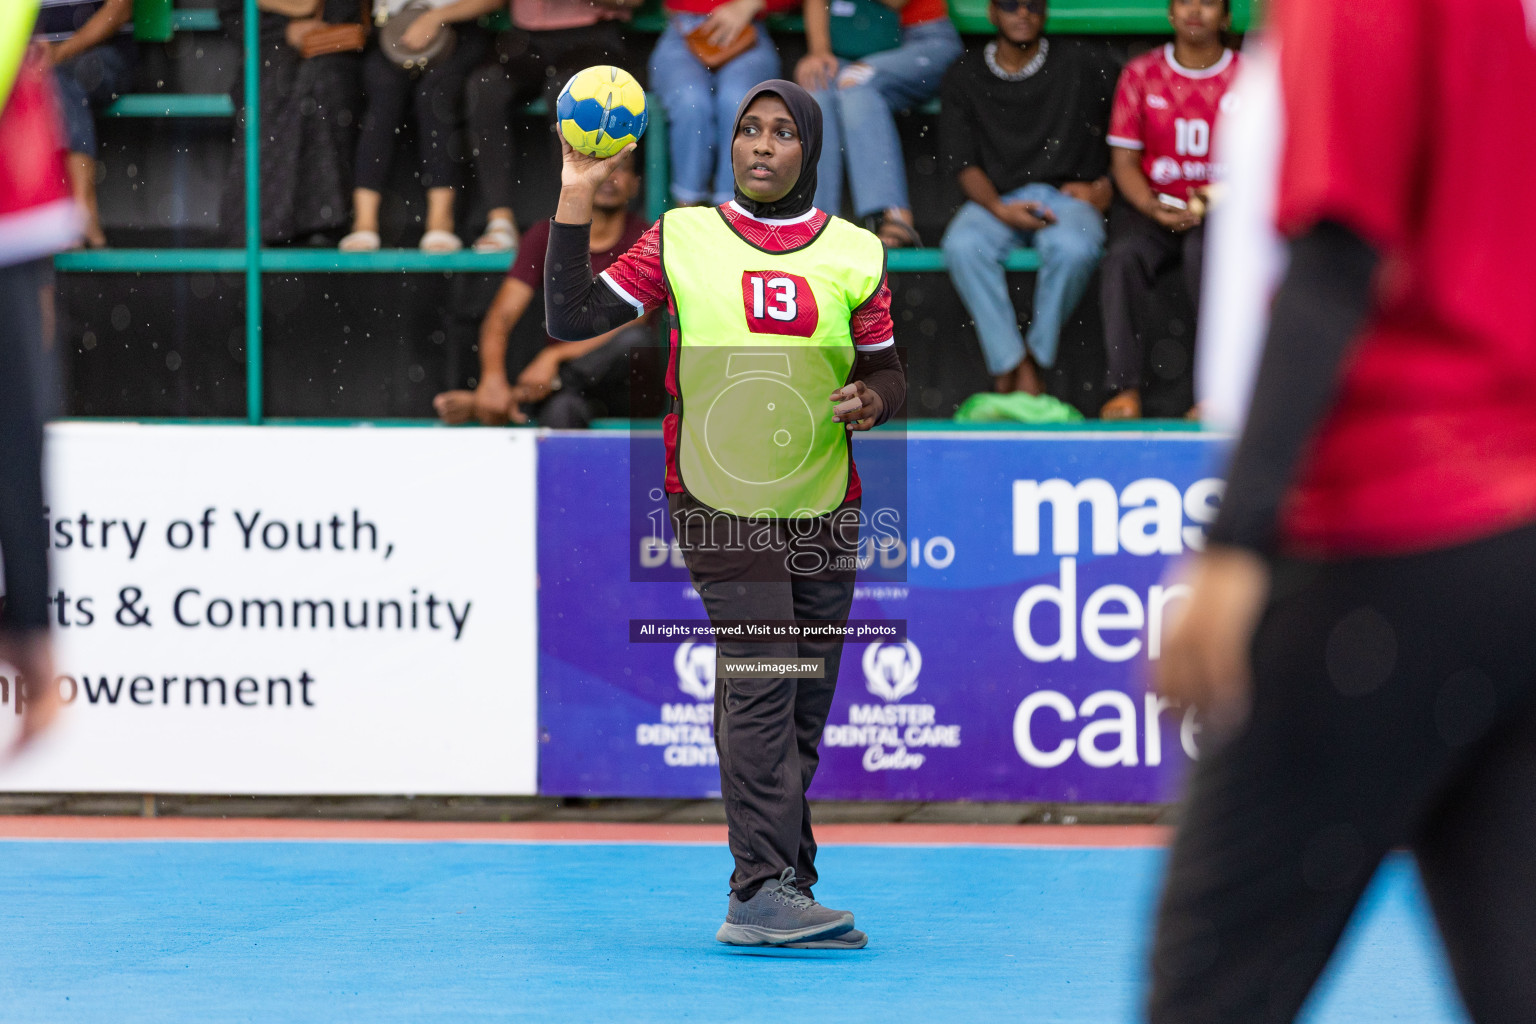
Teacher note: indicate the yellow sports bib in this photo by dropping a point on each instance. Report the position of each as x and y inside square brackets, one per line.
[16, 20]
[763, 341]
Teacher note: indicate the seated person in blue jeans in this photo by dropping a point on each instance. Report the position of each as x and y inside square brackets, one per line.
[700, 103]
[1023, 128]
[858, 101]
[93, 52]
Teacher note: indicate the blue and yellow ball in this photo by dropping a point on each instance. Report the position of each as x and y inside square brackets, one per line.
[601, 110]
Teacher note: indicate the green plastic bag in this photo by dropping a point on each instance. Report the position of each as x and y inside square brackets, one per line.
[1018, 407]
[153, 21]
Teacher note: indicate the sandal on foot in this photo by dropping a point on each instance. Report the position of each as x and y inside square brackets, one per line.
[500, 236]
[909, 237]
[440, 242]
[360, 241]
[1125, 405]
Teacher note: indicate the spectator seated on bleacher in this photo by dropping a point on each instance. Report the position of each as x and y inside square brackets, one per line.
[550, 40]
[91, 45]
[310, 94]
[569, 383]
[858, 99]
[436, 94]
[1023, 128]
[700, 103]
[1162, 135]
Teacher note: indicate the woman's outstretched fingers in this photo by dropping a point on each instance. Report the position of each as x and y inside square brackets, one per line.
[858, 406]
[848, 402]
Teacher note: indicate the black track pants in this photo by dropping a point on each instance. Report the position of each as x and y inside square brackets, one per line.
[24, 403]
[1137, 251]
[1393, 706]
[525, 65]
[767, 730]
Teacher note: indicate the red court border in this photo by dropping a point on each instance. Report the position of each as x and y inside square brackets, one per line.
[886, 834]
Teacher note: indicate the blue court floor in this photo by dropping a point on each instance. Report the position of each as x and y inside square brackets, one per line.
[157, 931]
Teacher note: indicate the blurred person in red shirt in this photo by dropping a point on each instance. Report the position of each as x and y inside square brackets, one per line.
[1361, 628]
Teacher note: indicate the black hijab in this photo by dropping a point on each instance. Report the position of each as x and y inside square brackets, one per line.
[807, 115]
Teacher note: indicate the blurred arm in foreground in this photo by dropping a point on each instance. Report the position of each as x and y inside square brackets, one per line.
[1318, 311]
[37, 218]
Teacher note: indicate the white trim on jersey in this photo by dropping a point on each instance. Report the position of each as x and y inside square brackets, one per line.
[1210, 72]
[877, 346]
[1121, 142]
[1245, 258]
[807, 215]
[622, 293]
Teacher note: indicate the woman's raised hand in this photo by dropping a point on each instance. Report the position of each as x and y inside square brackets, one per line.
[578, 170]
[580, 178]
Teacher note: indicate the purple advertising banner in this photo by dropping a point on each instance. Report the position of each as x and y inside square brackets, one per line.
[1032, 594]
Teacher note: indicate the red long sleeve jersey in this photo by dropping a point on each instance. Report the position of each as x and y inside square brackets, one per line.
[1408, 122]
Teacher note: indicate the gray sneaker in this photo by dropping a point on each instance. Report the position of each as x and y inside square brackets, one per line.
[853, 939]
[779, 914]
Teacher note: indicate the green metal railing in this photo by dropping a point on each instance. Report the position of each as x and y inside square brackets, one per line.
[250, 24]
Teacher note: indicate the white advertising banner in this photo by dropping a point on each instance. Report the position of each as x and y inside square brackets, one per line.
[289, 610]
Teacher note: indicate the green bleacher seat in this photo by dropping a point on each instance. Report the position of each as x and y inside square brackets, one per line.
[1090, 17]
[280, 261]
[1087, 17]
[385, 261]
[912, 261]
[171, 261]
[169, 104]
[197, 19]
[320, 261]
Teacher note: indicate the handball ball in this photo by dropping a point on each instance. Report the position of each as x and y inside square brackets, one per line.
[601, 110]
